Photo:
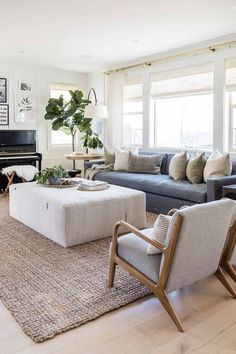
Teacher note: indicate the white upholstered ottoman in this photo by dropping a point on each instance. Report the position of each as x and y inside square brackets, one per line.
[71, 217]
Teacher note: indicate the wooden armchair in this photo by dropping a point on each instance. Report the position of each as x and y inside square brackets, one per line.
[193, 250]
[228, 262]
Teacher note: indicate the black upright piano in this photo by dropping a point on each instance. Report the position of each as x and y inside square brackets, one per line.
[18, 147]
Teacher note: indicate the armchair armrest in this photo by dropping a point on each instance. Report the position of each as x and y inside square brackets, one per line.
[160, 246]
[214, 186]
[171, 212]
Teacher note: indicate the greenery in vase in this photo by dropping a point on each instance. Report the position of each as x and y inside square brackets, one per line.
[69, 117]
[56, 172]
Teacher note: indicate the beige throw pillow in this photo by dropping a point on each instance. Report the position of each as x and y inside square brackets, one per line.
[160, 229]
[109, 157]
[217, 167]
[195, 167]
[178, 164]
[144, 163]
[122, 158]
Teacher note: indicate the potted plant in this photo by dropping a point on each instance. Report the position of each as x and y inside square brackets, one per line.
[52, 175]
[69, 117]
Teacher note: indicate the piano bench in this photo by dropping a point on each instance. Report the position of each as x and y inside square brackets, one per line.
[10, 178]
[23, 172]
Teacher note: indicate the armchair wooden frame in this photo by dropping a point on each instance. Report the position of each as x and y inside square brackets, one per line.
[158, 288]
[226, 258]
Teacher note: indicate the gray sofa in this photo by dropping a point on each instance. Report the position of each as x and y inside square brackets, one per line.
[162, 192]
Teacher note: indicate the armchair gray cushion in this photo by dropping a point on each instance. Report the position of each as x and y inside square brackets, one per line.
[200, 242]
[198, 250]
[134, 251]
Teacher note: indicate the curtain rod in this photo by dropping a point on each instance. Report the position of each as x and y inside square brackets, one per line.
[211, 49]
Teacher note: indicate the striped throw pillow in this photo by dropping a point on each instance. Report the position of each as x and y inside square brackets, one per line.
[160, 229]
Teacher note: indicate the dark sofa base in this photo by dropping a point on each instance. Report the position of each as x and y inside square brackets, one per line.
[172, 194]
[156, 203]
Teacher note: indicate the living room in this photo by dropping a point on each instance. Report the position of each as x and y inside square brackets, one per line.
[118, 177]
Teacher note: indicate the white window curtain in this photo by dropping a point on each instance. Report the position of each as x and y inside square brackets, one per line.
[230, 75]
[115, 83]
[183, 81]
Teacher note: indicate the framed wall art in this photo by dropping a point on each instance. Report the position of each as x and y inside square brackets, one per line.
[3, 90]
[24, 86]
[25, 107]
[4, 114]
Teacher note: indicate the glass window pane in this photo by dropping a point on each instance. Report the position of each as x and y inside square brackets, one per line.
[133, 129]
[133, 107]
[58, 137]
[234, 118]
[57, 93]
[233, 97]
[184, 121]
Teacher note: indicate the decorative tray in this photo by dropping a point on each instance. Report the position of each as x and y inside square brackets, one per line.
[64, 184]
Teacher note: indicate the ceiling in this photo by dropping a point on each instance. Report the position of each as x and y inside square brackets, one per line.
[100, 34]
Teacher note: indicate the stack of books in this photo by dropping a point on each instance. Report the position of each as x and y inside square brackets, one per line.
[93, 186]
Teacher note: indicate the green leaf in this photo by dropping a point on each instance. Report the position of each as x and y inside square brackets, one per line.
[57, 123]
[69, 117]
[66, 130]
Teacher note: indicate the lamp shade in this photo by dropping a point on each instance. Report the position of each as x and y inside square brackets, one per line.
[95, 111]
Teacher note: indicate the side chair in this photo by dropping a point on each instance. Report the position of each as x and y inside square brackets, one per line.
[193, 249]
[228, 262]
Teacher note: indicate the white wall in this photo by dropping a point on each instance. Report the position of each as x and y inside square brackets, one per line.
[220, 137]
[41, 78]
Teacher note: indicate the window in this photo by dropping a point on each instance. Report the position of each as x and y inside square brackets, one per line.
[58, 137]
[230, 84]
[182, 106]
[133, 115]
[232, 107]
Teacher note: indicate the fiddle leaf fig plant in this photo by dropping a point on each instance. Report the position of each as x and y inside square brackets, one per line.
[69, 117]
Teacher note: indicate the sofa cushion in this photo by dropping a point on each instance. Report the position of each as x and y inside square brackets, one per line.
[144, 163]
[122, 158]
[160, 229]
[178, 164]
[218, 167]
[134, 251]
[166, 159]
[157, 184]
[109, 157]
[195, 167]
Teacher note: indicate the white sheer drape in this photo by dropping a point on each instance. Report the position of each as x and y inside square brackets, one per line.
[114, 127]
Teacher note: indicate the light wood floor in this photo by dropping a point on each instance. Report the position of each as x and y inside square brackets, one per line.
[207, 311]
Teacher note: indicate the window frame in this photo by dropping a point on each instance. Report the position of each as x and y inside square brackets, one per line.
[232, 106]
[52, 147]
[154, 100]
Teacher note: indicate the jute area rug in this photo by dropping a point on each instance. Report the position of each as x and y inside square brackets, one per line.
[49, 289]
